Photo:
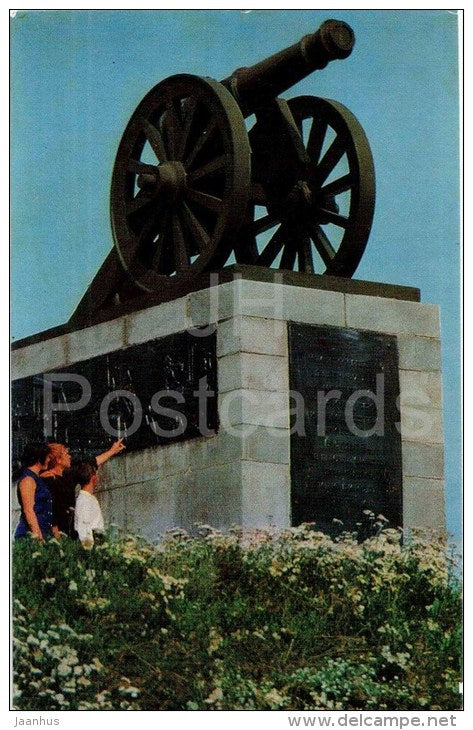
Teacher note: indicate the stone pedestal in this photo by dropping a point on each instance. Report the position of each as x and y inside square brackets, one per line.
[242, 475]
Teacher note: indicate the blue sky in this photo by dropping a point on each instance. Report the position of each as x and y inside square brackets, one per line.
[77, 76]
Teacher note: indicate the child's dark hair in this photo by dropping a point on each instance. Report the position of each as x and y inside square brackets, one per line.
[34, 453]
[84, 472]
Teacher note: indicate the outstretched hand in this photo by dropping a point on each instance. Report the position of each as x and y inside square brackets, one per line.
[117, 446]
[114, 449]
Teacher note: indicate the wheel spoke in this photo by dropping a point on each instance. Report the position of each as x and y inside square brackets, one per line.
[306, 262]
[322, 244]
[141, 201]
[260, 225]
[173, 129]
[159, 245]
[217, 163]
[200, 236]
[142, 245]
[272, 248]
[181, 256]
[204, 137]
[329, 161]
[338, 186]
[159, 240]
[155, 139]
[207, 201]
[298, 122]
[317, 133]
[141, 168]
[335, 218]
[288, 257]
[189, 109]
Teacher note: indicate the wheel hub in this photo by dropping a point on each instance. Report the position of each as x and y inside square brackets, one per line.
[302, 200]
[170, 178]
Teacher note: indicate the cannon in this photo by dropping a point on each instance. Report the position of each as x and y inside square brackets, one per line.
[208, 172]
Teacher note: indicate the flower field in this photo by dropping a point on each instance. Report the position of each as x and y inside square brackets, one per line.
[289, 620]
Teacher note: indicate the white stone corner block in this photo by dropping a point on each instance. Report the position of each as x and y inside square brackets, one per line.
[253, 371]
[266, 495]
[314, 306]
[421, 388]
[275, 301]
[422, 460]
[419, 353]
[97, 340]
[252, 334]
[424, 503]
[393, 316]
[208, 306]
[256, 407]
[159, 321]
[266, 445]
[422, 424]
[40, 357]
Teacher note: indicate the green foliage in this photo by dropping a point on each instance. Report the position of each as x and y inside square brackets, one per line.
[264, 620]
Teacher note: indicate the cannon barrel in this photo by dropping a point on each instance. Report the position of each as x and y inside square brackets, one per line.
[254, 86]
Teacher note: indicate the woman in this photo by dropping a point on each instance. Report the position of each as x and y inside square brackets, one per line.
[62, 489]
[33, 495]
[61, 480]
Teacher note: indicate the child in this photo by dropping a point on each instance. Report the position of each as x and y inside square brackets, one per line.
[88, 515]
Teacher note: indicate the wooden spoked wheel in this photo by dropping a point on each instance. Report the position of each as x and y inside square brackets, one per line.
[180, 182]
[320, 223]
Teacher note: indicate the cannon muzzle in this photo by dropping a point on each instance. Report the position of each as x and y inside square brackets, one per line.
[254, 86]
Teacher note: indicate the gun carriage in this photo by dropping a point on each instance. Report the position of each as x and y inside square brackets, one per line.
[191, 187]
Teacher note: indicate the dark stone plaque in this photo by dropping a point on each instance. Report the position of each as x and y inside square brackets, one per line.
[127, 379]
[349, 458]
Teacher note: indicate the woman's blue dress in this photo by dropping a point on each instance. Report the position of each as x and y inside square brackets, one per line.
[43, 507]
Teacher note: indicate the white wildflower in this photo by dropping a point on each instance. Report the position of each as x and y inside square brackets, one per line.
[64, 669]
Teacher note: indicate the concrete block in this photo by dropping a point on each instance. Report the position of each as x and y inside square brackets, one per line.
[41, 357]
[420, 388]
[15, 510]
[266, 499]
[424, 503]
[270, 445]
[422, 460]
[151, 507]
[104, 498]
[223, 448]
[274, 301]
[264, 372]
[229, 336]
[211, 305]
[393, 316]
[419, 353]
[97, 340]
[229, 372]
[421, 423]
[14, 496]
[15, 517]
[113, 473]
[314, 306]
[159, 321]
[259, 299]
[157, 461]
[258, 407]
[114, 504]
[252, 334]
[210, 496]
[252, 371]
